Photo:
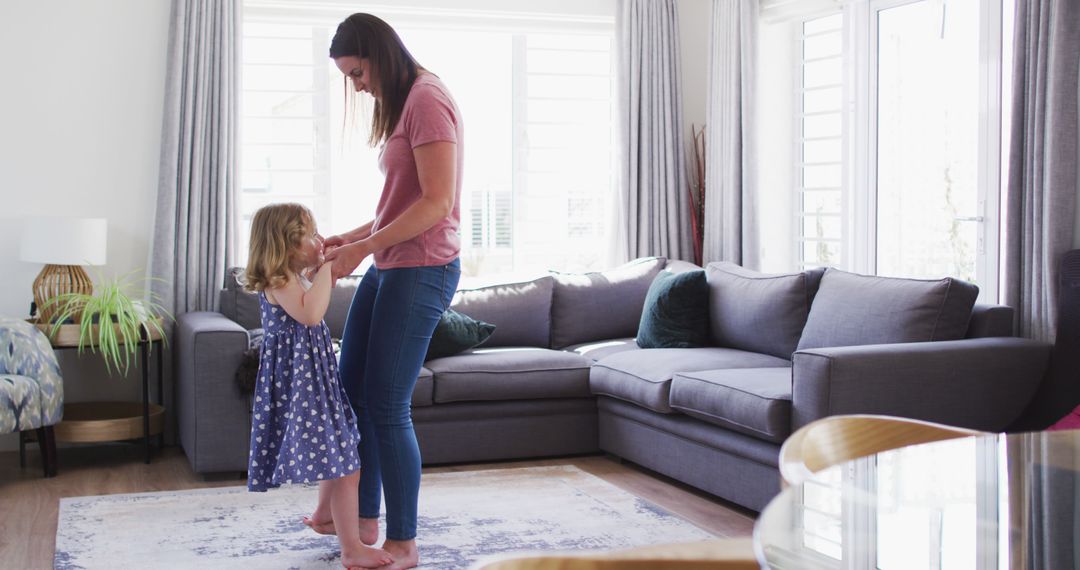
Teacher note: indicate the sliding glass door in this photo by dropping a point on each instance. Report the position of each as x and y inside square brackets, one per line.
[934, 95]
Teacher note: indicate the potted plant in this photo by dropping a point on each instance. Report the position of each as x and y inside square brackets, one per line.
[112, 302]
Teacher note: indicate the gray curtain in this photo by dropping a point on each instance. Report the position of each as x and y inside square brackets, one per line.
[1043, 157]
[730, 212]
[654, 211]
[197, 184]
[1044, 500]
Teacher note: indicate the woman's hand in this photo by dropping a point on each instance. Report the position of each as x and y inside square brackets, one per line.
[333, 242]
[347, 258]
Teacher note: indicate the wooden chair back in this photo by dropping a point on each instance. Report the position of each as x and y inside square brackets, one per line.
[835, 439]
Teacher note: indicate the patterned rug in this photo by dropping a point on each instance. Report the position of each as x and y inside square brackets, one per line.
[464, 517]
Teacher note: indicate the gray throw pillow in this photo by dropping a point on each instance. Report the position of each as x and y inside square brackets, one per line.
[602, 305]
[521, 312]
[757, 312]
[341, 297]
[853, 310]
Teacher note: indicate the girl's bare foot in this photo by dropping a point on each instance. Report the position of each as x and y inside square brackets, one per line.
[369, 528]
[359, 556]
[404, 552]
[326, 527]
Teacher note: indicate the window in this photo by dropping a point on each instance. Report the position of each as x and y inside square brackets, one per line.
[285, 122]
[537, 101]
[820, 124]
[927, 117]
[895, 138]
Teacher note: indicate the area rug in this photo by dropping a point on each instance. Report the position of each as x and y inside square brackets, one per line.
[464, 516]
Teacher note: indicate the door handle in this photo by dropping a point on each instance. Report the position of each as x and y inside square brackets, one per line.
[969, 219]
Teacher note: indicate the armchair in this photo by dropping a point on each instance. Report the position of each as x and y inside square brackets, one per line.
[31, 387]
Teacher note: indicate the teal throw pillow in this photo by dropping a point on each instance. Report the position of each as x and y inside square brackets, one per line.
[457, 332]
[676, 311]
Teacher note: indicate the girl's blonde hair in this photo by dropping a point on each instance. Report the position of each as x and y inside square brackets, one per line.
[276, 233]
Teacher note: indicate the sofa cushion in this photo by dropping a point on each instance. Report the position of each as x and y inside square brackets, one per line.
[754, 401]
[456, 332]
[603, 305]
[241, 306]
[674, 314]
[521, 312]
[341, 297]
[511, 373]
[643, 377]
[853, 310]
[424, 393]
[755, 311]
[602, 348]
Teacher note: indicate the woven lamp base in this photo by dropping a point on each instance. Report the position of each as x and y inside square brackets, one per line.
[57, 280]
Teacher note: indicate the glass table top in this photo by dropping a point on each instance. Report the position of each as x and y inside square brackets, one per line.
[987, 502]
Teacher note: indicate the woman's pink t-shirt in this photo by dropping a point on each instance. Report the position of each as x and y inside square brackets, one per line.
[429, 115]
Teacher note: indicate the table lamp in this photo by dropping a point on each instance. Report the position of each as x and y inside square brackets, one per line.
[64, 245]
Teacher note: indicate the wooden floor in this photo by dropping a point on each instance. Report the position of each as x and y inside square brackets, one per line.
[29, 503]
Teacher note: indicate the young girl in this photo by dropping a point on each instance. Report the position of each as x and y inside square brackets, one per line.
[303, 428]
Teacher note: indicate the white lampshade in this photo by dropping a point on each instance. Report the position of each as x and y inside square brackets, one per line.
[64, 241]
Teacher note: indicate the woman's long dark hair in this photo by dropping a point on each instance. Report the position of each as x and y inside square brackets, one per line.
[365, 36]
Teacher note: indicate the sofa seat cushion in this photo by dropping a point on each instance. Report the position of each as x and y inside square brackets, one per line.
[754, 401]
[643, 377]
[603, 348]
[424, 393]
[510, 373]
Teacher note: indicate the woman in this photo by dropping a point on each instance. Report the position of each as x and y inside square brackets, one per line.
[414, 238]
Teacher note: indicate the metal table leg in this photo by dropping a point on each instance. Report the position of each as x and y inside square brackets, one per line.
[144, 346]
[161, 387]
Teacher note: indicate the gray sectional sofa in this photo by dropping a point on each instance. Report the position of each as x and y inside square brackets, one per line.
[562, 374]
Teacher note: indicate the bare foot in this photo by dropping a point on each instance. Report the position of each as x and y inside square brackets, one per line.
[359, 556]
[326, 527]
[369, 528]
[369, 531]
[404, 552]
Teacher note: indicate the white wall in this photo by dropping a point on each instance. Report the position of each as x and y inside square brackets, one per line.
[80, 129]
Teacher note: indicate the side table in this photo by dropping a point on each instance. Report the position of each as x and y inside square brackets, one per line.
[89, 422]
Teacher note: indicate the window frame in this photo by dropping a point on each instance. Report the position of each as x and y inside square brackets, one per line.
[859, 241]
[512, 21]
[988, 182]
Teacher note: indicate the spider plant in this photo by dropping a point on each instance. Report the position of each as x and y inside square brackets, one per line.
[120, 318]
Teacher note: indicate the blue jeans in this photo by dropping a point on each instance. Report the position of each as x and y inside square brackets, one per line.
[386, 337]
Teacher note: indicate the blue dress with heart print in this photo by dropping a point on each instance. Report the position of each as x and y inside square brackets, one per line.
[303, 429]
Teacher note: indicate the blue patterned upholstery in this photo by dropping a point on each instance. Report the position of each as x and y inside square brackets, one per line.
[31, 388]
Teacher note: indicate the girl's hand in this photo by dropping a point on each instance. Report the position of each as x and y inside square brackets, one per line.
[333, 242]
[347, 258]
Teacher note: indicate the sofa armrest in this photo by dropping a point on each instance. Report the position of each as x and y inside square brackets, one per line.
[213, 414]
[982, 383]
